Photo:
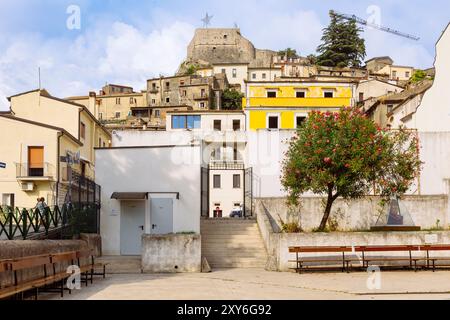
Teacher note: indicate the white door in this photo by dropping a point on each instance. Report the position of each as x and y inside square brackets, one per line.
[161, 216]
[132, 225]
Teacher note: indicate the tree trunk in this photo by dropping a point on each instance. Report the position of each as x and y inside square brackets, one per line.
[327, 212]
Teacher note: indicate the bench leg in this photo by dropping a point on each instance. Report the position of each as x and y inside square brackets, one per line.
[62, 288]
[104, 271]
[92, 275]
[36, 293]
[434, 265]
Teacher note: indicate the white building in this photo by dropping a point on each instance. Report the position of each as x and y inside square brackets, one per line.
[147, 190]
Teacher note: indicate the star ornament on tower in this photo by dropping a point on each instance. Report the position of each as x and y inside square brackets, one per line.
[207, 20]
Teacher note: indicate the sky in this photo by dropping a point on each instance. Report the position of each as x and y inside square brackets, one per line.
[129, 41]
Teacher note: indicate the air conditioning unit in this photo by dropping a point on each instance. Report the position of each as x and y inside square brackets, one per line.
[27, 186]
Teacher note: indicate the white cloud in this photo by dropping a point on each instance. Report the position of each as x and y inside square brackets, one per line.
[118, 54]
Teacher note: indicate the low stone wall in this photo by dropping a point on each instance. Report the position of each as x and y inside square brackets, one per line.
[19, 249]
[356, 215]
[171, 253]
[277, 244]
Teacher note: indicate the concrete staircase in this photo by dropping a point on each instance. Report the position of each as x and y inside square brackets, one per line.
[232, 243]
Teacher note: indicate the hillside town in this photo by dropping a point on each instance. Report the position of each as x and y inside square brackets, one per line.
[188, 172]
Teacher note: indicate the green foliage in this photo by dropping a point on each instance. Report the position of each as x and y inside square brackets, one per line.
[347, 155]
[312, 59]
[289, 53]
[418, 76]
[290, 227]
[191, 69]
[232, 100]
[341, 45]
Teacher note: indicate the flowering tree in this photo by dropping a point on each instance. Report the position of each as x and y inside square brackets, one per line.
[347, 155]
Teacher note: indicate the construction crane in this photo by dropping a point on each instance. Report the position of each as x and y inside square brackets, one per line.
[373, 25]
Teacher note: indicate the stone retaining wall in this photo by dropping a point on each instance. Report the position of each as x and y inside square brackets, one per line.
[171, 253]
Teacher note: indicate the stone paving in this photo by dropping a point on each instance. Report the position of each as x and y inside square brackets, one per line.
[249, 284]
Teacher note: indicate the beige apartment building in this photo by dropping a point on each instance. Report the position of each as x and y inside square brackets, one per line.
[384, 67]
[47, 141]
[115, 103]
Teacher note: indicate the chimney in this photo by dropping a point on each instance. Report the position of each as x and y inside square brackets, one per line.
[92, 104]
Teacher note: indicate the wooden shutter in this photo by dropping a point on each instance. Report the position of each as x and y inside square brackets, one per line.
[36, 157]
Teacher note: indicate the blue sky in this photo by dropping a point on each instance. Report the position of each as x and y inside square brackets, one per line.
[129, 41]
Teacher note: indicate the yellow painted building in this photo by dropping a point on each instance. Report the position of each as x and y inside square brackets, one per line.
[38, 135]
[284, 105]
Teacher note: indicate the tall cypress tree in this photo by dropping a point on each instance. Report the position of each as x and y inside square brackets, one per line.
[342, 45]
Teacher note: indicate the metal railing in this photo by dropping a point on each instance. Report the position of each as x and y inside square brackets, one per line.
[226, 165]
[35, 170]
[69, 220]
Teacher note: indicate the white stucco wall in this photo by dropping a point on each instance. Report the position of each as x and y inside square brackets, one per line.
[433, 115]
[172, 169]
[226, 195]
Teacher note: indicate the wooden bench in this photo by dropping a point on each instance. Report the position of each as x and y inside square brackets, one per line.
[91, 267]
[53, 270]
[365, 261]
[18, 286]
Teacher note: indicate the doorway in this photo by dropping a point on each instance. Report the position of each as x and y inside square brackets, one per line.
[161, 212]
[132, 225]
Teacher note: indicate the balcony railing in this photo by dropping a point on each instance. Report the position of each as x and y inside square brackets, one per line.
[34, 171]
[201, 96]
[226, 165]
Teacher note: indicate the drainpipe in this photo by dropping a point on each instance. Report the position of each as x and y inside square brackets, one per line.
[58, 155]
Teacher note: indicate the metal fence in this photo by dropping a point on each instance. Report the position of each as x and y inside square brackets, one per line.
[59, 222]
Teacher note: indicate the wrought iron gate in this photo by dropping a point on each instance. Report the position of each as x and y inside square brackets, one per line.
[248, 192]
[204, 192]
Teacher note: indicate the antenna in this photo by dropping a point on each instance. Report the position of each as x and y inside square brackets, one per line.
[373, 25]
[39, 76]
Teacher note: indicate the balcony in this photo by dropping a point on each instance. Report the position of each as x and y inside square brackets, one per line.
[201, 96]
[298, 102]
[226, 165]
[35, 172]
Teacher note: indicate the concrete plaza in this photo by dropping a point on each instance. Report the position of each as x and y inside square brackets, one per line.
[249, 284]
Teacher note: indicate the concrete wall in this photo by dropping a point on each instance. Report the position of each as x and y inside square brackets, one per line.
[153, 170]
[19, 249]
[357, 215]
[171, 253]
[277, 244]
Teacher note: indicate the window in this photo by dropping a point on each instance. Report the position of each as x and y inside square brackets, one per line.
[131, 100]
[328, 94]
[407, 74]
[184, 93]
[35, 162]
[167, 100]
[203, 93]
[236, 125]
[100, 116]
[216, 181]
[361, 96]
[272, 122]
[167, 85]
[202, 105]
[390, 107]
[300, 94]
[223, 71]
[153, 101]
[264, 76]
[181, 82]
[234, 73]
[236, 181]
[394, 74]
[186, 122]
[217, 125]
[225, 36]
[8, 200]
[253, 76]
[299, 121]
[117, 100]
[117, 115]
[154, 86]
[271, 94]
[157, 113]
[82, 130]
